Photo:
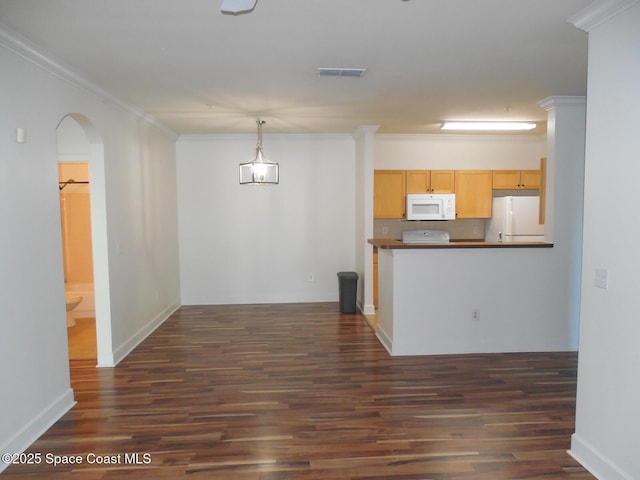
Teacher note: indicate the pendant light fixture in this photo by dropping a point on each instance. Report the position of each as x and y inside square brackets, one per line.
[259, 171]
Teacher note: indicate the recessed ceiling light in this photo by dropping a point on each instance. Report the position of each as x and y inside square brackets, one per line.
[341, 72]
[488, 126]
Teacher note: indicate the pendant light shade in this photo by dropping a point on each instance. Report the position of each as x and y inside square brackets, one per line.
[259, 171]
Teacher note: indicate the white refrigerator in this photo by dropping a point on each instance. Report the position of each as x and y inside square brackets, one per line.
[515, 219]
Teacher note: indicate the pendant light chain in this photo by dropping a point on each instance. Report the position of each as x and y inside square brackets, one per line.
[260, 123]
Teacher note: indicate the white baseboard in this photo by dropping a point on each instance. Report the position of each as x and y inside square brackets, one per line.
[50, 415]
[127, 347]
[368, 309]
[597, 464]
[36, 427]
[385, 340]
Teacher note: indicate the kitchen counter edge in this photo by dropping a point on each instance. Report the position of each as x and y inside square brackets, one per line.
[391, 244]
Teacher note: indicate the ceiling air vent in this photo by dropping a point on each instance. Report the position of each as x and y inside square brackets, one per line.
[341, 72]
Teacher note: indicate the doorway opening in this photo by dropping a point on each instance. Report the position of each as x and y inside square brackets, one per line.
[84, 239]
[75, 221]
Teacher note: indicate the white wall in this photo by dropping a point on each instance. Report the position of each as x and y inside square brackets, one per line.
[607, 416]
[258, 244]
[462, 152]
[428, 295]
[141, 209]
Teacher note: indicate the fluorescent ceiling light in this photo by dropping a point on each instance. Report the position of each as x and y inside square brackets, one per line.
[341, 72]
[488, 126]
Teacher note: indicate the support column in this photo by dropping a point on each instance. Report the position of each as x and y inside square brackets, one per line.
[565, 167]
[364, 137]
[566, 129]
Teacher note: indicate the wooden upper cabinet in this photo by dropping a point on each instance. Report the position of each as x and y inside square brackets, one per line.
[442, 181]
[389, 194]
[418, 181]
[473, 193]
[530, 179]
[430, 181]
[473, 188]
[516, 179]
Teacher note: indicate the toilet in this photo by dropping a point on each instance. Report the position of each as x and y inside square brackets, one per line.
[72, 302]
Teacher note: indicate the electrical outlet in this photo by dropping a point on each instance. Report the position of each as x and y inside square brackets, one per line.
[385, 230]
[311, 277]
[475, 314]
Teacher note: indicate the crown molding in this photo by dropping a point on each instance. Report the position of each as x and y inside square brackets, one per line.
[550, 103]
[364, 130]
[600, 12]
[22, 47]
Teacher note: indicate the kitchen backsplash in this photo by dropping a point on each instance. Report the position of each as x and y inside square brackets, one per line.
[463, 229]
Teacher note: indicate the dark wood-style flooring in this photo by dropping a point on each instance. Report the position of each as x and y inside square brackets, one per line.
[299, 392]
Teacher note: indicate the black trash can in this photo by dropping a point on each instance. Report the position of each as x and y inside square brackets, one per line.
[348, 283]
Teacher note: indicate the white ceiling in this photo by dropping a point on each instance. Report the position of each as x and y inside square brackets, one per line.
[199, 71]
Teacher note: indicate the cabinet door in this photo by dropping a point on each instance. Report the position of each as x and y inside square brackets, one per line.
[516, 179]
[473, 193]
[442, 181]
[530, 179]
[418, 181]
[543, 189]
[506, 179]
[388, 194]
[430, 181]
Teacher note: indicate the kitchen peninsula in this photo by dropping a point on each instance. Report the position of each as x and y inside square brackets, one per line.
[467, 297]
[392, 244]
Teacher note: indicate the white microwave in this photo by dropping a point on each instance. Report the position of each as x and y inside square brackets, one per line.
[426, 206]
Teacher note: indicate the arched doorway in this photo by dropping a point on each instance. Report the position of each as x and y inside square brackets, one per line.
[78, 143]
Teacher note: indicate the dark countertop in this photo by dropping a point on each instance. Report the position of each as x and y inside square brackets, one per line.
[391, 244]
